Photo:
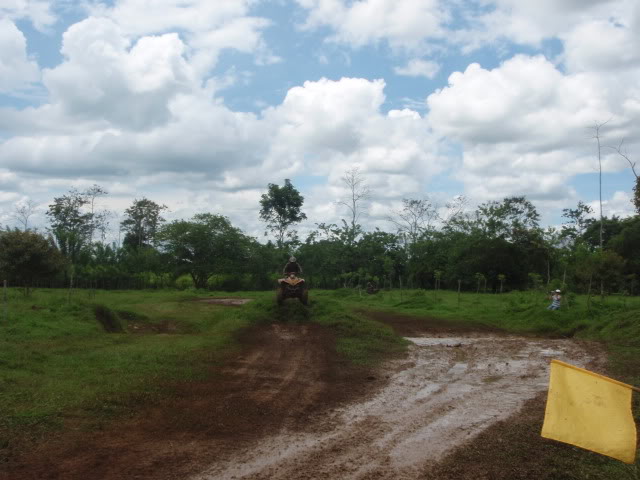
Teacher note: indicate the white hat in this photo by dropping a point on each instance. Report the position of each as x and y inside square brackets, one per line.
[557, 291]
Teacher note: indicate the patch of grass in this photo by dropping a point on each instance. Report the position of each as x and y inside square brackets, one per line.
[360, 340]
[57, 358]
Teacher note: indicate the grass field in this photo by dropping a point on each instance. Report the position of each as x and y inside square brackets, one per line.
[60, 366]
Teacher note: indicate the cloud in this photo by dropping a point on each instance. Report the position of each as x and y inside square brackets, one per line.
[37, 11]
[419, 68]
[525, 126]
[17, 71]
[406, 24]
[424, 25]
[601, 45]
[618, 205]
[529, 23]
[321, 128]
[206, 27]
[107, 78]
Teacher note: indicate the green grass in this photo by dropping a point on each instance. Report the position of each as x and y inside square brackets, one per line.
[57, 362]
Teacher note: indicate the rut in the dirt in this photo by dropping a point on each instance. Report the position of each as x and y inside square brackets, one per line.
[448, 391]
[283, 376]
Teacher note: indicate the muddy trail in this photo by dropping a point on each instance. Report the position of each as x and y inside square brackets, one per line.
[287, 407]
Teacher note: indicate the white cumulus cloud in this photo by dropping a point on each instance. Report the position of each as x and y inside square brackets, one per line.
[39, 12]
[17, 71]
[406, 24]
[526, 126]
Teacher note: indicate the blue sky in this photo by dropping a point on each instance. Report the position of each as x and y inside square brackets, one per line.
[199, 105]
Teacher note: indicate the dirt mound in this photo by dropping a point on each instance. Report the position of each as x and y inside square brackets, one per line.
[284, 377]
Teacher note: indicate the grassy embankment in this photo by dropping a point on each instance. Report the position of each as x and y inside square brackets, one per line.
[60, 364]
[614, 321]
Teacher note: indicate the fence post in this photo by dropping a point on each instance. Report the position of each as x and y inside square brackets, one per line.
[70, 287]
[5, 301]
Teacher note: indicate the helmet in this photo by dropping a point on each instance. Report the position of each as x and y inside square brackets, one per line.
[292, 259]
[557, 291]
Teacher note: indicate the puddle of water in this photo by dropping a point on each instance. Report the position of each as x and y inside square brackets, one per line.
[424, 411]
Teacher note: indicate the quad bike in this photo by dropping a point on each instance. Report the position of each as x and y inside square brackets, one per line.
[291, 286]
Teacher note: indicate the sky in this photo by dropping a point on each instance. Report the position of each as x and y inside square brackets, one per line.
[200, 104]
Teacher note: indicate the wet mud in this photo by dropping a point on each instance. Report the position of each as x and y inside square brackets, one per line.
[288, 407]
[448, 390]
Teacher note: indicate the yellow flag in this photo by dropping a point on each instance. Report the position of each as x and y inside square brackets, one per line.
[590, 411]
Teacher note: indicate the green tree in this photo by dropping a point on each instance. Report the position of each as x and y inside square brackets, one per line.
[508, 218]
[280, 209]
[205, 245]
[71, 225]
[577, 221]
[142, 221]
[28, 256]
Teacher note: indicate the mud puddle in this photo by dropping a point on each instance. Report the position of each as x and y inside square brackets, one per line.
[448, 390]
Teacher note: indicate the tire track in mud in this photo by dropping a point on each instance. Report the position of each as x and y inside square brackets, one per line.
[449, 390]
[288, 407]
[284, 375]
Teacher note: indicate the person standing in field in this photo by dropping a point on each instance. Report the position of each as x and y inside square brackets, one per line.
[555, 300]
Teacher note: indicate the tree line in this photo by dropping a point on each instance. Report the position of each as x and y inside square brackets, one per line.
[499, 246]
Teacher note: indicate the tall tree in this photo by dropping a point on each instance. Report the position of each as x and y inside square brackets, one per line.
[281, 208]
[596, 135]
[636, 188]
[205, 245]
[99, 218]
[577, 221]
[71, 225]
[415, 218]
[23, 211]
[142, 221]
[358, 194]
[507, 218]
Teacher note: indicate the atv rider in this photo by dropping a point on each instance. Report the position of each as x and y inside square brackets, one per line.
[292, 267]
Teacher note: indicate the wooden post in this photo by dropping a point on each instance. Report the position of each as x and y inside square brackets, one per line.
[70, 287]
[6, 302]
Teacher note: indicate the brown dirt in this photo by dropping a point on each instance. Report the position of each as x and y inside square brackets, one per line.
[454, 384]
[286, 407]
[284, 377]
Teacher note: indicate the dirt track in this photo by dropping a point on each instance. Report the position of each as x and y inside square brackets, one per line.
[287, 408]
[447, 391]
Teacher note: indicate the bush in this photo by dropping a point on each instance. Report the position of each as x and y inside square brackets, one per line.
[184, 282]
